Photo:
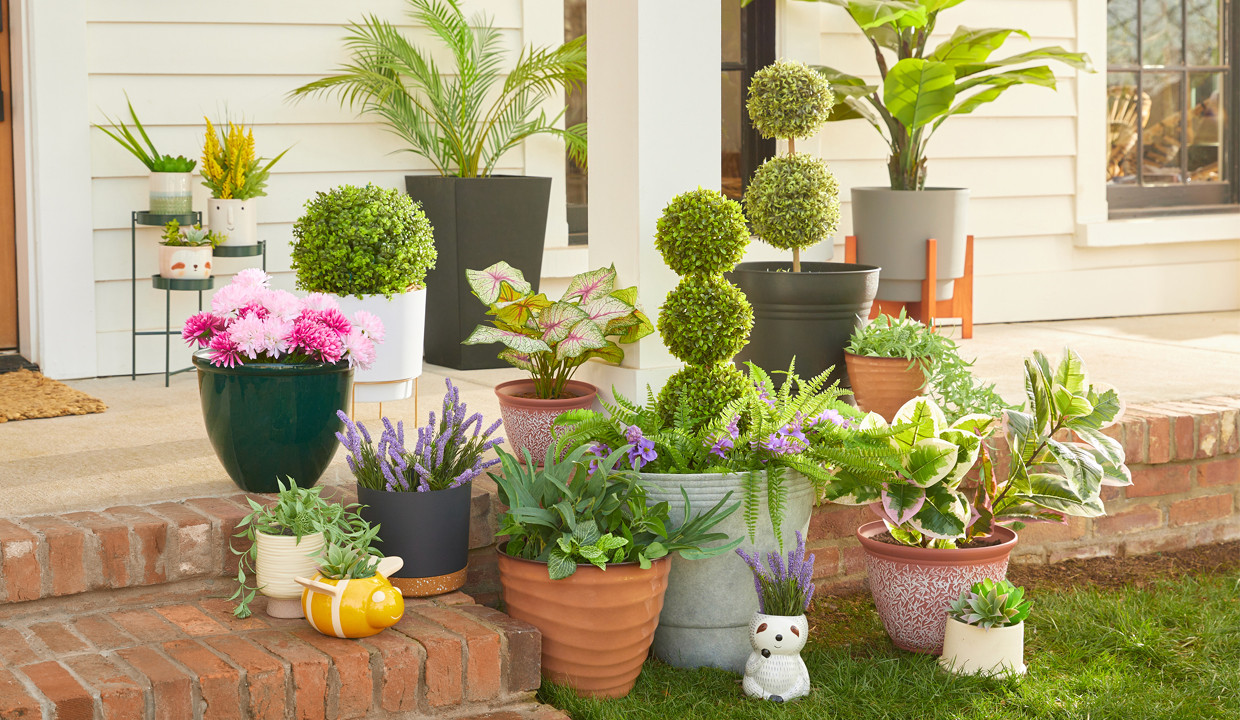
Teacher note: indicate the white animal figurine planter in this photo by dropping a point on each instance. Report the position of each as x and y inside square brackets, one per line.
[775, 670]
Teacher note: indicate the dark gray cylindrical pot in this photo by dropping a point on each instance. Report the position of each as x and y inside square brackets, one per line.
[808, 315]
[709, 603]
[892, 227]
[428, 530]
[478, 222]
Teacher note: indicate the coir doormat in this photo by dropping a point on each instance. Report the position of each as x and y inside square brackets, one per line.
[25, 395]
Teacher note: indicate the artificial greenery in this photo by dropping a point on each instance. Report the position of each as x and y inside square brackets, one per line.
[787, 588]
[145, 151]
[231, 170]
[362, 241]
[787, 99]
[464, 116]
[924, 87]
[296, 512]
[946, 375]
[193, 236]
[550, 340]
[701, 232]
[354, 558]
[793, 201]
[708, 389]
[705, 320]
[989, 604]
[568, 512]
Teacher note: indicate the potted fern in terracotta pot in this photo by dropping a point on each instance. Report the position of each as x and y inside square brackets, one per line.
[581, 534]
[550, 340]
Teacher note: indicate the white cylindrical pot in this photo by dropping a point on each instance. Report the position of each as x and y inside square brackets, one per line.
[236, 220]
[398, 359]
[971, 650]
[183, 262]
[279, 559]
[171, 193]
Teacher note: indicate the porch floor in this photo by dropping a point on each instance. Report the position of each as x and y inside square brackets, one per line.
[151, 445]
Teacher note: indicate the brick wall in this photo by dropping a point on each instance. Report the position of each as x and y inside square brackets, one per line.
[1185, 462]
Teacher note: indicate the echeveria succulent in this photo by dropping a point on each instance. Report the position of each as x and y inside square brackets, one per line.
[989, 604]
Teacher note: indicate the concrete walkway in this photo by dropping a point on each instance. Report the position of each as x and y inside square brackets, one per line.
[151, 444]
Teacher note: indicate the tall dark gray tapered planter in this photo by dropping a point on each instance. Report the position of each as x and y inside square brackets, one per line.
[808, 315]
[892, 227]
[478, 222]
[428, 530]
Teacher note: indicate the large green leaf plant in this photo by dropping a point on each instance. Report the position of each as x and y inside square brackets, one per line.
[920, 87]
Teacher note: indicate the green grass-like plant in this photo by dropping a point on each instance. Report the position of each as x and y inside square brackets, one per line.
[145, 151]
[793, 202]
[362, 241]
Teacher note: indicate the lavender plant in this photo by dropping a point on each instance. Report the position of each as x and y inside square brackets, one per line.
[787, 588]
[446, 455]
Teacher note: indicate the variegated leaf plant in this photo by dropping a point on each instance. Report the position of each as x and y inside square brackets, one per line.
[550, 340]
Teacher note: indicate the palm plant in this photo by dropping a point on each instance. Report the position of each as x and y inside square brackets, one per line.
[462, 122]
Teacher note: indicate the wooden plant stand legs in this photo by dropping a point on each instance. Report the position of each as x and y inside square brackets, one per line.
[960, 305]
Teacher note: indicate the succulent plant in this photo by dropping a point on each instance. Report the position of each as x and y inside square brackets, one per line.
[989, 604]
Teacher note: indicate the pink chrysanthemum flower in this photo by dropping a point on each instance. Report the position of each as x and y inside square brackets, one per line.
[315, 339]
[201, 327]
[252, 278]
[320, 302]
[275, 335]
[370, 325]
[254, 308]
[232, 297]
[224, 351]
[336, 321]
[360, 349]
[282, 304]
[247, 335]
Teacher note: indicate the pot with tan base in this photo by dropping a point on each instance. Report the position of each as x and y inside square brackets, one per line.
[528, 418]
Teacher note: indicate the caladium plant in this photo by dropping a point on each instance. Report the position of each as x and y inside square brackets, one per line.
[550, 340]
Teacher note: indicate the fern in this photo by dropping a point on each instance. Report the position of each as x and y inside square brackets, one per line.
[751, 502]
[776, 502]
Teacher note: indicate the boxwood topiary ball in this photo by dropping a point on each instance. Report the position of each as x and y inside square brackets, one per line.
[787, 99]
[362, 241]
[793, 201]
[705, 320]
[702, 232]
[706, 389]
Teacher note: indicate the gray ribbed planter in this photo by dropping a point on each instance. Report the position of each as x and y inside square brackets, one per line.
[709, 603]
[892, 227]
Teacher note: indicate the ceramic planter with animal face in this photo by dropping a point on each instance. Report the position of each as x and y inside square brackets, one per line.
[353, 608]
[186, 262]
[775, 670]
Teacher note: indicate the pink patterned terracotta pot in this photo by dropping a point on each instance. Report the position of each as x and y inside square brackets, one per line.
[913, 587]
[527, 420]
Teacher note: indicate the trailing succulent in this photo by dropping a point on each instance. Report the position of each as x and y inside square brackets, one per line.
[193, 236]
[362, 241]
[989, 604]
[570, 511]
[353, 558]
[705, 319]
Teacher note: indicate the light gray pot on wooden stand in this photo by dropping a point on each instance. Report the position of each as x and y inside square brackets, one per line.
[892, 227]
[709, 603]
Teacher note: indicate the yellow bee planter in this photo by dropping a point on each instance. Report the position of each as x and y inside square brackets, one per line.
[353, 608]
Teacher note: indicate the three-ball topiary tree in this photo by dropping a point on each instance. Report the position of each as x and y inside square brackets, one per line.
[705, 320]
[793, 199]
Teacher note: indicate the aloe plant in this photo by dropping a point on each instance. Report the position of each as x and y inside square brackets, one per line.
[924, 86]
[989, 604]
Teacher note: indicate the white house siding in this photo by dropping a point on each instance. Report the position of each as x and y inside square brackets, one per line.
[180, 61]
[1019, 157]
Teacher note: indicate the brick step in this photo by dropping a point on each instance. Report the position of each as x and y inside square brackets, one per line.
[176, 651]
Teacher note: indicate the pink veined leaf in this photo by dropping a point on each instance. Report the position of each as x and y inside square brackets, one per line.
[556, 321]
[607, 308]
[488, 283]
[592, 285]
[583, 336]
[484, 334]
[519, 360]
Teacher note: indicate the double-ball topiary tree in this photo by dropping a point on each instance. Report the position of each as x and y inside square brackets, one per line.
[705, 320]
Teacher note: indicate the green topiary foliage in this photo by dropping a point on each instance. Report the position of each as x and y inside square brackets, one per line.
[793, 201]
[705, 389]
[362, 241]
[705, 320]
[788, 100]
[702, 232]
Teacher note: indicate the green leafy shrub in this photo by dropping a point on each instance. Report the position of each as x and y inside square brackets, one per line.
[702, 232]
[788, 99]
[362, 241]
[705, 389]
[793, 201]
[705, 320]
[989, 604]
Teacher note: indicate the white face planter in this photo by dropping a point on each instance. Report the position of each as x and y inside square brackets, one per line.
[775, 670]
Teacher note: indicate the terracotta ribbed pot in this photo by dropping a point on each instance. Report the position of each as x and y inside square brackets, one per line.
[527, 420]
[913, 587]
[596, 625]
[883, 385]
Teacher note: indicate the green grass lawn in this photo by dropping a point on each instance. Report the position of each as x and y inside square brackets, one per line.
[1170, 650]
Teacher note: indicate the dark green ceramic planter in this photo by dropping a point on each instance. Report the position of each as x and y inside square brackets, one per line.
[269, 421]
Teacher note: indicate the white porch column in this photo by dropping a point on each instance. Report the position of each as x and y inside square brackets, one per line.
[654, 103]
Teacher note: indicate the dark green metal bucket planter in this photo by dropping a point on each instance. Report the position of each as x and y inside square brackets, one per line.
[269, 421]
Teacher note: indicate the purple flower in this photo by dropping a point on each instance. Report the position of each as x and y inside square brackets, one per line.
[642, 453]
[733, 427]
[721, 445]
[783, 590]
[599, 450]
[834, 417]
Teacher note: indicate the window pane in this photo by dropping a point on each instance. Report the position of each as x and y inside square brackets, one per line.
[1163, 131]
[1122, 119]
[1161, 43]
[1205, 128]
[1205, 37]
[733, 113]
[732, 31]
[1122, 32]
